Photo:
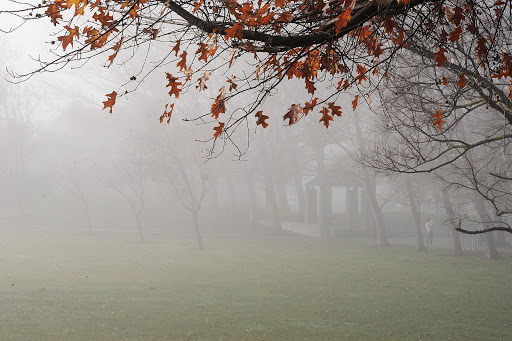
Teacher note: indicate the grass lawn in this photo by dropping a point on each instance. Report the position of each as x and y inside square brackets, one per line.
[91, 288]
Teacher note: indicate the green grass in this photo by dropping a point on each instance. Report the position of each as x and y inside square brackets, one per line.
[86, 288]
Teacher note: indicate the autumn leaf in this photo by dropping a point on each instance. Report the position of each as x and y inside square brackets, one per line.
[235, 31]
[445, 81]
[197, 6]
[219, 106]
[335, 109]
[354, 102]
[438, 119]
[455, 35]
[202, 81]
[174, 84]
[109, 103]
[440, 58]
[342, 20]
[232, 84]
[280, 3]
[293, 114]
[308, 106]
[261, 119]
[53, 11]
[310, 86]
[116, 49]
[218, 130]
[68, 39]
[182, 64]
[176, 48]
[167, 114]
[325, 117]
[462, 81]
[361, 71]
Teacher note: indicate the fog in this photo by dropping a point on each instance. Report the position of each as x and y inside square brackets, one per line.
[119, 227]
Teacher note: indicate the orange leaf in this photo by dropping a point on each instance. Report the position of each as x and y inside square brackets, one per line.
[261, 119]
[116, 48]
[438, 116]
[361, 71]
[235, 31]
[325, 117]
[445, 81]
[308, 106]
[176, 48]
[68, 39]
[174, 84]
[354, 102]
[182, 64]
[109, 103]
[198, 5]
[167, 114]
[280, 3]
[218, 130]
[342, 20]
[462, 81]
[53, 11]
[219, 106]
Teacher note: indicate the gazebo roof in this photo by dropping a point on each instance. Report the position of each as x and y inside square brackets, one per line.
[337, 178]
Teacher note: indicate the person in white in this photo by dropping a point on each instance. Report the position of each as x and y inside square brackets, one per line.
[430, 234]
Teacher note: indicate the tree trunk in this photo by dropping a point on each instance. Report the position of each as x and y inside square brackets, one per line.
[139, 226]
[491, 251]
[447, 205]
[195, 221]
[370, 187]
[420, 245]
[271, 198]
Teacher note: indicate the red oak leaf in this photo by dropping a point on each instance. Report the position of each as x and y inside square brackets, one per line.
[293, 114]
[335, 109]
[261, 119]
[218, 130]
[438, 119]
[325, 117]
[440, 58]
[462, 81]
[354, 102]
[174, 84]
[109, 103]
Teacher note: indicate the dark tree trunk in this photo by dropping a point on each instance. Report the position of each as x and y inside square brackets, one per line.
[420, 245]
[447, 205]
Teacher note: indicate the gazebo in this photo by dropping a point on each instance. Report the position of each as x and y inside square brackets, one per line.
[356, 215]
